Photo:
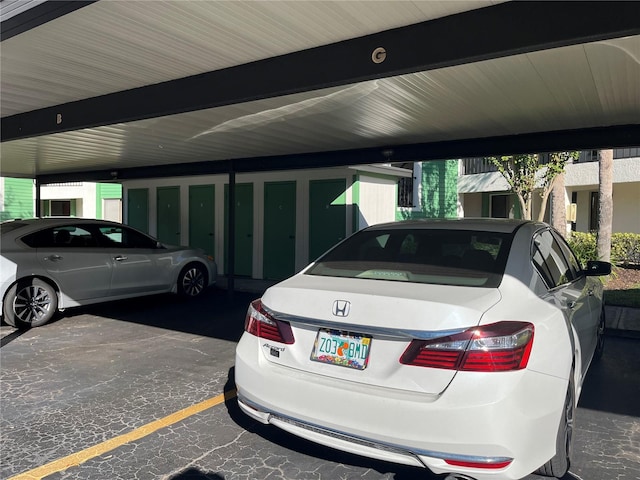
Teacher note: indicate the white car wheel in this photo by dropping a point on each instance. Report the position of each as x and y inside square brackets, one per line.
[558, 466]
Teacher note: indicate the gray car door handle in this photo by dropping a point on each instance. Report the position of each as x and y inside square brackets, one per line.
[53, 257]
[119, 258]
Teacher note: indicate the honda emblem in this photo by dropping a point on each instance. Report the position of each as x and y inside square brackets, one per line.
[341, 308]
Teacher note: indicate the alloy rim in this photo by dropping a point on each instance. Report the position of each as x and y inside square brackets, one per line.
[31, 303]
[193, 282]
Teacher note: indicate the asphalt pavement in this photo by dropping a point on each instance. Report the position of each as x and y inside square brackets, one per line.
[143, 389]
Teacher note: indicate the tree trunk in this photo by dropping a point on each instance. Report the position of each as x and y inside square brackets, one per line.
[524, 208]
[543, 204]
[605, 207]
[559, 205]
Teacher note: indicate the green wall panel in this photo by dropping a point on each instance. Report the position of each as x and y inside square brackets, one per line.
[355, 202]
[106, 190]
[18, 199]
[439, 193]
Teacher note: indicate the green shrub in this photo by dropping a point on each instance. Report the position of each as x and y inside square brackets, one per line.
[625, 247]
[584, 246]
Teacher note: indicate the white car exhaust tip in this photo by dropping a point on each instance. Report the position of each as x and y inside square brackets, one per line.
[458, 476]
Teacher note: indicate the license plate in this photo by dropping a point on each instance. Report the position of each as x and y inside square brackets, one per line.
[342, 348]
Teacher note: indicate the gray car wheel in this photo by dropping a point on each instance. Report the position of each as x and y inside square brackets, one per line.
[192, 280]
[29, 303]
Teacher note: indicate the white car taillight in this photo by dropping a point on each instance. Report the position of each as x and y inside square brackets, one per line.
[261, 324]
[498, 347]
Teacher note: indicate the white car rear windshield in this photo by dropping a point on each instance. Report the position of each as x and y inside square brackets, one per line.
[442, 257]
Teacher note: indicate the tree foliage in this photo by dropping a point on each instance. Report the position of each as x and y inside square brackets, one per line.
[529, 173]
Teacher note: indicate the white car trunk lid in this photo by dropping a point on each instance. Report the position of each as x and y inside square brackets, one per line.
[391, 313]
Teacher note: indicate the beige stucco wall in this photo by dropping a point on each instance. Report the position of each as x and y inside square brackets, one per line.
[471, 204]
[625, 170]
[583, 210]
[84, 194]
[482, 182]
[626, 208]
[377, 202]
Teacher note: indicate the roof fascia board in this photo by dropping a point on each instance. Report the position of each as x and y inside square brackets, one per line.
[582, 139]
[39, 15]
[505, 29]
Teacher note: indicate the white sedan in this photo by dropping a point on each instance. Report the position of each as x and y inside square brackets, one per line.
[49, 264]
[460, 346]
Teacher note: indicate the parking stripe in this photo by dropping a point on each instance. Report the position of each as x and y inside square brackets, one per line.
[82, 456]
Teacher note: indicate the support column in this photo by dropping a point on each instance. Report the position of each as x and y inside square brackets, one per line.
[38, 206]
[231, 248]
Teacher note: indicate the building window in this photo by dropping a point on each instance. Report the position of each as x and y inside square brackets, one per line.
[587, 156]
[475, 165]
[60, 208]
[626, 152]
[406, 194]
[574, 200]
[502, 206]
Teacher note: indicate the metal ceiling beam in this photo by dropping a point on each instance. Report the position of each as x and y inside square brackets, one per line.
[505, 29]
[39, 15]
[583, 139]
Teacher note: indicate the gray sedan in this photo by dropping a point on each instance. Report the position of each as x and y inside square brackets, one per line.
[49, 264]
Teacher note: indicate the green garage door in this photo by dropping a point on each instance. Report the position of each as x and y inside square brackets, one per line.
[169, 215]
[138, 209]
[327, 215]
[243, 265]
[202, 217]
[279, 230]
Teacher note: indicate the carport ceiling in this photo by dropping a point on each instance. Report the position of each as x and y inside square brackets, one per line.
[184, 87]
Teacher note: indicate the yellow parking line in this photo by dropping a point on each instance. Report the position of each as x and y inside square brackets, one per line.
[82, 456]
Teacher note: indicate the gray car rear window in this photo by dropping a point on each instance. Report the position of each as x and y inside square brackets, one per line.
[442, 257]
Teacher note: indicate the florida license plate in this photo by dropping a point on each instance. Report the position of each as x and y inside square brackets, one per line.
[342, 348]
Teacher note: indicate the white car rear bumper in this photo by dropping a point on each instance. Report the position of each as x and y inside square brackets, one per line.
[480, 417]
